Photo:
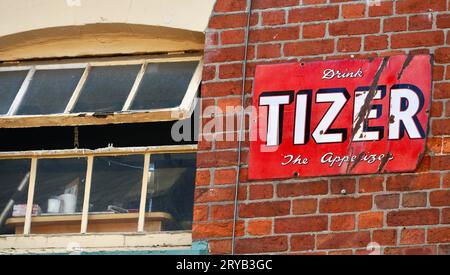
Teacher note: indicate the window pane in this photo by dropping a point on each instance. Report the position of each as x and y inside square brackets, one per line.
[171, 188]
[14, 181]
[164, 85]
[106, 89]
[49, 91]
[115, 193]
[59, 192]
[10, 83]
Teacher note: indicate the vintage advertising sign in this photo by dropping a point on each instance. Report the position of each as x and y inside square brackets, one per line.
[340, 117]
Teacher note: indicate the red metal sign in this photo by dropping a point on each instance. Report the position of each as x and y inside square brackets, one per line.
[340, 117]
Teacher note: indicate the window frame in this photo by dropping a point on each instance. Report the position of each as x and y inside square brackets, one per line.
[35, 156]
[183, 111]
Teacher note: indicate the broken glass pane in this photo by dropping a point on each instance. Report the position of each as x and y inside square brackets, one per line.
[10, 83]
[164, 85]
[106, 89]
[49, 91]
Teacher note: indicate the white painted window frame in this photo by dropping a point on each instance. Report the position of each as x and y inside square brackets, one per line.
[35, 156]
[183, 111]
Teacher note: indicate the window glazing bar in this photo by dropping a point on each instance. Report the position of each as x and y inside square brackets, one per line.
[22, 91]
[87, 195]
[135, 88]
[31, 187]
[145, 177]
[73, 100]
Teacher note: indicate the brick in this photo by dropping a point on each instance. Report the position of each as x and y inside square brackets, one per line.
[354, 27]
[381, 9]
[411, 250]
[441, 91]
[436, 109]
[343, 240]
[412, 236]
[390, 201]
[443, 21]
[375, 42]
[304, 206]
[216, 159]
[438, 71]
[309, 14]
[343, 223]
[349, 44]
[417, 39]
[259, 227]
[371, 184]
[230, 71]
[309, 47]
[337, 185]
[225, 176]
[414, 200]
[200, 213]
[340, 252]
[222, 212]
[385, 237]
[219, 247]
[440, 162]
[442, 55]
[302, 189]
[211, 39]
[413, 217]
[274, 34]
[416, 6]
[444, 249]
[353, 10]
[258, 192]
[216, 229]
[394, 24]
[440, 198]
[229, 6]
[302, 242]
[271, 18]
[214, 194]
[261, 245]
[268, 51]
[438, 235]
[267, 4]
[232, 37]
[413, 182]
[371, 220]
[209, 73]
[445, 217]
[203, 177]
[264, 209]
[446, 180]
[441, 127]
[301, 224]
[420, 22]
[314, 31]
[345, 204]
[224, 54]
[228, 21]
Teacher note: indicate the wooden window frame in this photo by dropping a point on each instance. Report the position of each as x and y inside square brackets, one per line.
[35, 156]
[183, 111]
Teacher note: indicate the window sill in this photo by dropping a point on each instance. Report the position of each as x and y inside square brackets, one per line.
[94, 242]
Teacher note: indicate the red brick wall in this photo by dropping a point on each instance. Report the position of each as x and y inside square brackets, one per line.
[404, 213]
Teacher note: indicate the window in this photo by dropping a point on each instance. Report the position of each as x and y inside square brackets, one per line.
[94, 186]
[121, 91]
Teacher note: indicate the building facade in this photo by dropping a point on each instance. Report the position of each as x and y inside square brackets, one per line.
[144, 184]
